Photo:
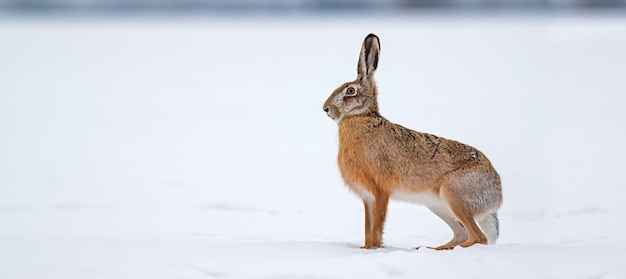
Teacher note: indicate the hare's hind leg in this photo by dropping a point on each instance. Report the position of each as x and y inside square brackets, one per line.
[465, 216]
[470, 194]
[464, 199]
[460, 234]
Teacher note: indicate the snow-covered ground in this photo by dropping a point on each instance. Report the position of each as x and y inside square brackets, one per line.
[197, 148]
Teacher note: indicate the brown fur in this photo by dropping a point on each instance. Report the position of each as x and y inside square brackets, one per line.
[379, 159]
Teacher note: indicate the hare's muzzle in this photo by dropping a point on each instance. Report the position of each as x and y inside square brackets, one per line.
[327, 110]
[331, 110]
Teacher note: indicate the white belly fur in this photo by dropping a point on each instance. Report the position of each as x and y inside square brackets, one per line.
[426, 199]
[362, 192]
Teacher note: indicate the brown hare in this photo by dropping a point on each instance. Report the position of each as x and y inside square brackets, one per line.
[380, 160]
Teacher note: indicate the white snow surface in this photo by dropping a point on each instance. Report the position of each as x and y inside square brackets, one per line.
[198, 148]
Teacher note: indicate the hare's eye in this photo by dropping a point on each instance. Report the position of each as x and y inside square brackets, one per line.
[350, 91]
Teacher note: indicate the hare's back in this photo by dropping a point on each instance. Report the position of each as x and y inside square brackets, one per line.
[427, 147]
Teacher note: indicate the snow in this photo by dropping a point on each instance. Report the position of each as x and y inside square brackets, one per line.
[197, 148]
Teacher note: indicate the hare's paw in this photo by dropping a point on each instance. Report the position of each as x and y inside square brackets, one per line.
[469, 243]
[372, 246]
[443, 247]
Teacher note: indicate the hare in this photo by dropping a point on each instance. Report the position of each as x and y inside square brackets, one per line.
[380, 160]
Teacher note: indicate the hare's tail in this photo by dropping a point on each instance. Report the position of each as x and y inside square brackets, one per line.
[490, 225]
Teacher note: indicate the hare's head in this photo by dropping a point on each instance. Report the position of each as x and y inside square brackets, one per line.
[357, 97]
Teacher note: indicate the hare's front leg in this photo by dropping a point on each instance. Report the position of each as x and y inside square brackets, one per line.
[368, 223]
[375, 215]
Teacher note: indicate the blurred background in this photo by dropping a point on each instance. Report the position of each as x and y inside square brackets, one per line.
[294, 6]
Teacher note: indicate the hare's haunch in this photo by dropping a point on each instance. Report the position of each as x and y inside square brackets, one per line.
[380, 160]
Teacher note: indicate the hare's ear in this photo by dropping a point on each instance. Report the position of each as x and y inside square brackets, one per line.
[368, 60]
